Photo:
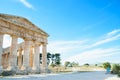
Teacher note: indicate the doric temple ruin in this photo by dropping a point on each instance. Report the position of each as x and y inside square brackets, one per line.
[23, 57]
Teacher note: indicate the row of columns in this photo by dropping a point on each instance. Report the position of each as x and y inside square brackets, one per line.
[25, 65]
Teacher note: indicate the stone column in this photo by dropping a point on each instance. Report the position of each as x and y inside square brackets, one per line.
[1, 51]
[26, 66]
[36, 59]
[13, 54]
[20, 59]
[31, 57]
[44, 58]
[3, 61]
[6, 60]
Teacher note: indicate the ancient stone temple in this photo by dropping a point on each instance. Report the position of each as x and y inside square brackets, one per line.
[24, 57]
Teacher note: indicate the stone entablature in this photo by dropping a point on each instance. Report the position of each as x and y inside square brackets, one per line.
[24, 56]
[8, 26]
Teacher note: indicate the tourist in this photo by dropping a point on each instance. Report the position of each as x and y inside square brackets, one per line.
[107, 70]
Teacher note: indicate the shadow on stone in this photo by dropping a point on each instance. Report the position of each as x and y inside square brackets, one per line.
[21, 72]
[8, 73]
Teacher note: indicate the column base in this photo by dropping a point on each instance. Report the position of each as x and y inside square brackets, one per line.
[35, 71]
[9, 71]
[27, 70]
[10, 68]
[1, 70]
[21, 72]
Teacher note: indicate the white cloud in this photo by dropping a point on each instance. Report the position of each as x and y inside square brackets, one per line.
[106, 40]
[27, 4]
[65, 46]
[68, 46]
[113, 32]
[111, 36]
[94, 55]
[83, 48]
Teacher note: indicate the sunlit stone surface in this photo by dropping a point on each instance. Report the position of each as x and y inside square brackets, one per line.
[22, 58]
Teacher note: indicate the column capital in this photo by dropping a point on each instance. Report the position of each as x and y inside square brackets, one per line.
[27, 39]
[37, 44]
[43, 43]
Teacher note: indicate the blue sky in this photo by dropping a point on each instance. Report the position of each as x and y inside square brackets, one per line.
[84, 31]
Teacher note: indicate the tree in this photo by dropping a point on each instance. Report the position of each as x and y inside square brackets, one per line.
[52, 58]
[67, 64]
[106, 65]
[57, 59]
[116, 68]
[86, 64]
[74, 64]
[40, 58]
[48, 58]
[96, 64]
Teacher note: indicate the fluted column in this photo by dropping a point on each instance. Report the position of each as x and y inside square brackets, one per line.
[26, 66]
[20, 59]
[13, 54]
[44, 58]
[31, 57]
[1, 50]
[6, 60]
[36, 60]
[3, 61]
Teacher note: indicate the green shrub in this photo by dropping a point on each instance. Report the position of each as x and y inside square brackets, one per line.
[116, 69]
[119, 74]
[52, 65]
[106, 65]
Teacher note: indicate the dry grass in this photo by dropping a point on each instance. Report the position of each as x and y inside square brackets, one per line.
[80, 68]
